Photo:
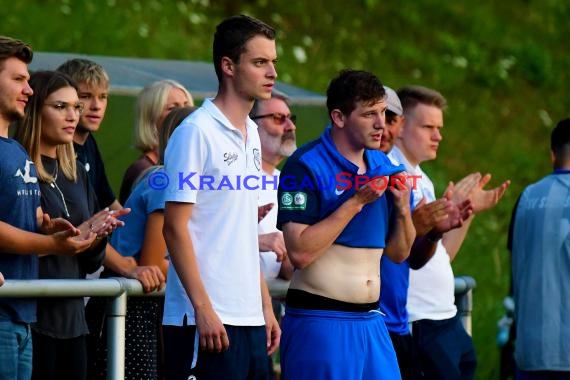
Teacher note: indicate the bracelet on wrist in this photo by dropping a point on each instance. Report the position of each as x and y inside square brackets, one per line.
[433, 237]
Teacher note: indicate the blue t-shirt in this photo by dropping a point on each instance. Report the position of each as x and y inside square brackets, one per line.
[395, 280]
[19, 200]
[144, 200]
[317, 179]
[540, 266]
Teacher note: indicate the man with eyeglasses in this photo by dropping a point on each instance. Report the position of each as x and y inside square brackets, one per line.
[276, 127]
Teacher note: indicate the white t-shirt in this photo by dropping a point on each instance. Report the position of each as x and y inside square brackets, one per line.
[431, 294]
[207, 163]
[270, 267]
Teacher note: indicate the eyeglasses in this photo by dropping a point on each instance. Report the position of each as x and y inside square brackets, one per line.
[64, 106]
[278, 118]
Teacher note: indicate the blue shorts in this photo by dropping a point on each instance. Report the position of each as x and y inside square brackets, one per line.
[336, 345]
[246, 357]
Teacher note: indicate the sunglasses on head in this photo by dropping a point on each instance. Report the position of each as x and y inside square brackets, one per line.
[278, 118]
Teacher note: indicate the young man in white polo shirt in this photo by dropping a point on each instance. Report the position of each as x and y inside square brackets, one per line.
[445, 349]
[218, 320]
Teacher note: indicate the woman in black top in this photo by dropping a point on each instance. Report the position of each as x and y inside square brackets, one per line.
[59, 350]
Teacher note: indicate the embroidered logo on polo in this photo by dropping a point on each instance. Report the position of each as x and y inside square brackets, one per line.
[26, 176]
[230, 157]
[257, 158]
[338, 191]
[293, 201]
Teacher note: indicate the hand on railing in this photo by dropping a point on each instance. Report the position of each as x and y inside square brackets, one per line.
[150, 277]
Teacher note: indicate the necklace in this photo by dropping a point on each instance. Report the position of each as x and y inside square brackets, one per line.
[54, 186]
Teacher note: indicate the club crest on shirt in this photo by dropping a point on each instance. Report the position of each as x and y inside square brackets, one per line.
[293, 201]
[230, 157]
[257, 158]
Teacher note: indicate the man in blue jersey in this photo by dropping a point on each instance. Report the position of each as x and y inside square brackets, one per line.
[336, 233]
[21, 216]
[541, 285]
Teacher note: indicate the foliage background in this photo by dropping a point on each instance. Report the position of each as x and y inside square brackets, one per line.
[503, 67]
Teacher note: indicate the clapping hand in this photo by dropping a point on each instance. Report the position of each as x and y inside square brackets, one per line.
[104, 222]
[485, 199]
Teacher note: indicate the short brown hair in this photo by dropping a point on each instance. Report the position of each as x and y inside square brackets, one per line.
[231, 36]
[411, 96]
[10, 47]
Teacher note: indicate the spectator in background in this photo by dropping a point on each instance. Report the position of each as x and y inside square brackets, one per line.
[540, 264]
[445, 349]
[429, 219]
[93, 89]
[218, 318]
[276, 127]
[141, 239]
[21, 216]
[154, 102]
[46, 132]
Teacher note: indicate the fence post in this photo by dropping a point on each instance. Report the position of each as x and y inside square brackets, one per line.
[464, 286]
[116, 313]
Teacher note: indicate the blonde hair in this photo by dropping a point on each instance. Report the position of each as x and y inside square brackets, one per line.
[84, 71]
[149, 108]
[29, 130]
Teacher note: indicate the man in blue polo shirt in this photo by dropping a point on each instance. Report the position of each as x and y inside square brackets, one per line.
[335, 236]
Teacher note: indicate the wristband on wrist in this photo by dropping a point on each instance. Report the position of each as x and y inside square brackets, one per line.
[433, 237]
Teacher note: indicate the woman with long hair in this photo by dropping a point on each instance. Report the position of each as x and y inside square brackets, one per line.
[46, 132]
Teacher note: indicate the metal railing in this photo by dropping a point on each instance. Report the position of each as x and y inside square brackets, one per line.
[464, 286]
[120, 288]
